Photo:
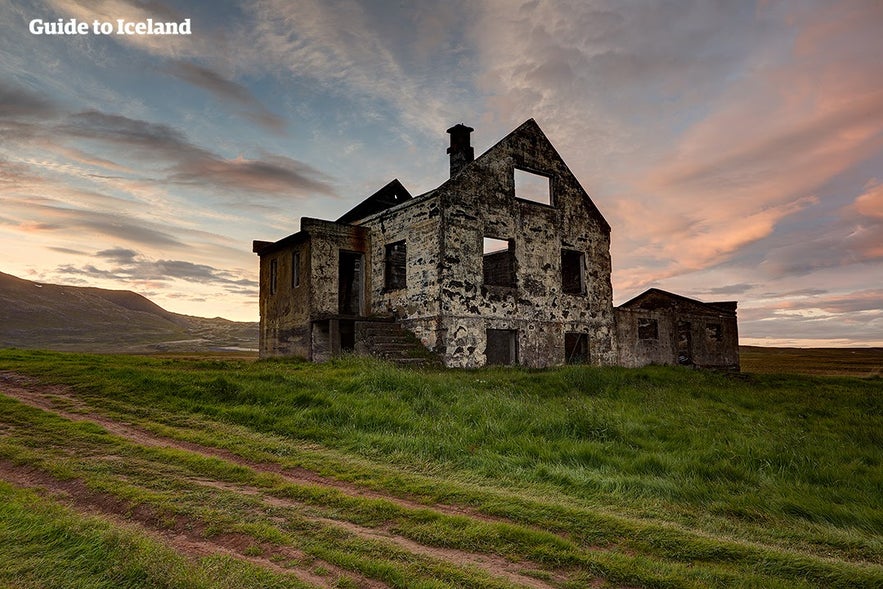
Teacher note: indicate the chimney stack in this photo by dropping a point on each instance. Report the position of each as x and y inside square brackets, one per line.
[461, 151]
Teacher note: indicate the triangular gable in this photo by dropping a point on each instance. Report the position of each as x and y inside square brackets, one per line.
[655, 298]
[540, 142]
[389, 196]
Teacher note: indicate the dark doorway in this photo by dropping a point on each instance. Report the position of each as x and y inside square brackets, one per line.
[685, 343]
[347, 335]
[350, 282]
[576, 348]
[502, 347]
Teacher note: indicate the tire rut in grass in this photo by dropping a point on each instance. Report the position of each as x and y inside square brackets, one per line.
[45, 397]
[494, 565]
[32, 391]
[185, 535]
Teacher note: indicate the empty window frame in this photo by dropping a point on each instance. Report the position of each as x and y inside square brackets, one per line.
[498, 262]
[533, 187]
[714, 332]
[573, 272]
[274, 275]
[395, 266]
[502, 347]
[295, 269]
[576, 348]
[648, 329]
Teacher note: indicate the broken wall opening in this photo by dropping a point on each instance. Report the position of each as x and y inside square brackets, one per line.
[685, 343]
[648, 329]
[395, 266]
[351, 282]
[532, 187]
[502, 347]
[573, 272]
[576, 348]
[498, 262]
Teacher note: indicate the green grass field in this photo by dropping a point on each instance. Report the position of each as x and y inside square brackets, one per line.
[225, 472]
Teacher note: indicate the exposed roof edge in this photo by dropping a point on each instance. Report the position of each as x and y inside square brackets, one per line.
[389, 196]
[722, 306]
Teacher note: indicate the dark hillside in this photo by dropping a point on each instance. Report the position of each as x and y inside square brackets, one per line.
[71, 318]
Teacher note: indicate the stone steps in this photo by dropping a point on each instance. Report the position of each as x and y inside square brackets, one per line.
[390, 341]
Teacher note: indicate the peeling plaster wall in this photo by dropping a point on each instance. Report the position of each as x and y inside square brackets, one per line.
[706, 349]
[417, 223]
[480, 202]
[285, 314]
[328, 239]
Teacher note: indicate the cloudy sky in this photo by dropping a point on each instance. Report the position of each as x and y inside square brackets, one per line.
[736, 148]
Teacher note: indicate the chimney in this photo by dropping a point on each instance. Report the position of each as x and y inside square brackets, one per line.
[460, 150]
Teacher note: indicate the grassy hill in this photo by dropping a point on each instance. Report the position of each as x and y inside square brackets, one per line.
[71, 318]
[227, 473]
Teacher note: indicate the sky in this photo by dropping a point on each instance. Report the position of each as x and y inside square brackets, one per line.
[735, 148]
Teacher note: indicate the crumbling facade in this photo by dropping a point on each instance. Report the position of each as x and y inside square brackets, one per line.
[507, 262]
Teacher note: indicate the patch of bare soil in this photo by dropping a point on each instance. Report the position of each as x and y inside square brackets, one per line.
[185, 535]
[31, 392]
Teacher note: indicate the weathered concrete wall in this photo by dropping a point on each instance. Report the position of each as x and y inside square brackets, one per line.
[417, 223]
[480, 202]
[285, 329]
[327, 240]
[713, 338]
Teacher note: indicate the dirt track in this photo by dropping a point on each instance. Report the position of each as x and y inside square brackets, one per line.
[187, 537]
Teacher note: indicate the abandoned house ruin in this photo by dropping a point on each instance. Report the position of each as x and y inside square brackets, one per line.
[507, 262]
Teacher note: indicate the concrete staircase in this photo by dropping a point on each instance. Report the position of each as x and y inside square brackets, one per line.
[387, 339]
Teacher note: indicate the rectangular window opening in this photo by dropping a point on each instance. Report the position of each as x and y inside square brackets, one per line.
[274, 275]
[573, 272]
[351, 285]
[502, 347]
[533, 187]
[648, 329]
[395, 266]
[498, 262]
[295, 269]
[714, 332]
[576, 348]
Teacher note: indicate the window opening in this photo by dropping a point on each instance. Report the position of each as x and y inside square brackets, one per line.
[714, 332]
[395, 273]
[502, 347]
[295, 269]
[648, 329]
[533, 187]
[350, 283]
[573, 272]
[576, 348]
[498, 262]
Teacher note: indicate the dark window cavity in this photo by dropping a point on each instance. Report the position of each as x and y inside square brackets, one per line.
[295, 269]
[576, 348]
[573, 272]
[502, 347]
[648, 329]
[714, 332]
[395, 266]
[498, 262]
[274, 275]
[351, 283]
[532, 187]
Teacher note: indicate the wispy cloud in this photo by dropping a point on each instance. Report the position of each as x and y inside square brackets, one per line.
[228, 91]
[128, 265]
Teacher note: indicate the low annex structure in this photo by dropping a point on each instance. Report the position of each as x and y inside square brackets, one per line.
[507, 262]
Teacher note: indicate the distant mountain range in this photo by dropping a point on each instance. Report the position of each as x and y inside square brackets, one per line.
[74, 318]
